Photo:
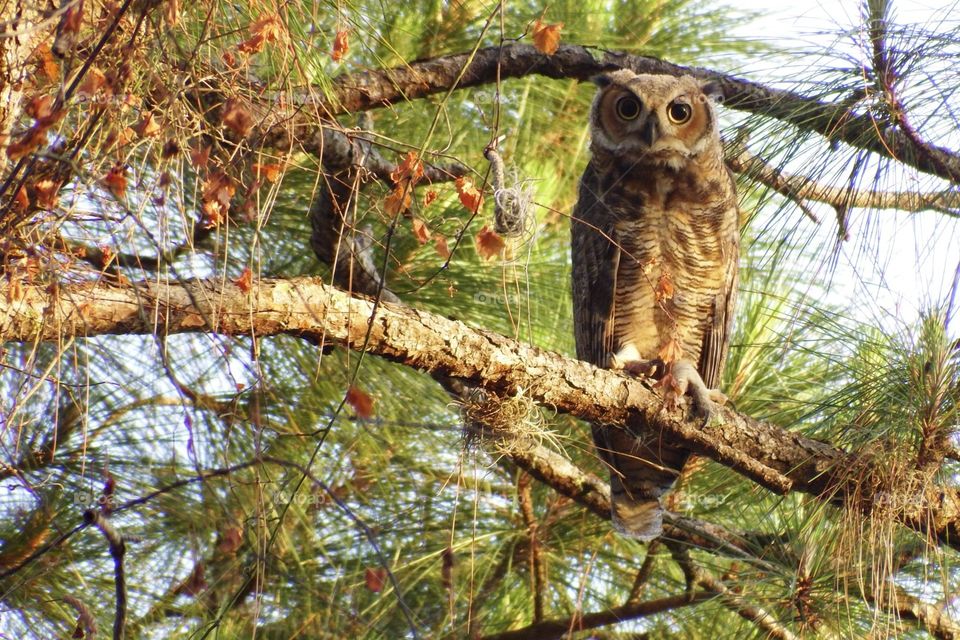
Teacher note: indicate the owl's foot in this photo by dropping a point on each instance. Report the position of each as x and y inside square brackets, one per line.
[682, 379]
[628, 360]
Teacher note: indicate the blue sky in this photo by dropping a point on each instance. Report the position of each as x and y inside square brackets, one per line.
[896, 264]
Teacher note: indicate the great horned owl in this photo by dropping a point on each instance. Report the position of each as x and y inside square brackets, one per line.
[655, 248]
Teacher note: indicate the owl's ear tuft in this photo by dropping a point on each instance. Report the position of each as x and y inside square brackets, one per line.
[713, 90]
[602, 80]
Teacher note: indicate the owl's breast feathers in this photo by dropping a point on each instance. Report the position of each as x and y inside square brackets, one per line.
[675, 233]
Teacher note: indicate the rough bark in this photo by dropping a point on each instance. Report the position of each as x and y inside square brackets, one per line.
[378, 88]
[555, 629]
[306, 307]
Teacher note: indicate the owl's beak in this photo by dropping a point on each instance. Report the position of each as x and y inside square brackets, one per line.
[650, 131]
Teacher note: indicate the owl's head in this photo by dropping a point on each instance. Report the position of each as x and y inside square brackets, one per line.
[661, 119]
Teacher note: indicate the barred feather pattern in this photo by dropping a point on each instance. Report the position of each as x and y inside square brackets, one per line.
[655, 248]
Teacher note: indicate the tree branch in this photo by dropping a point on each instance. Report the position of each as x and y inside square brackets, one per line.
[555, 629]
[800, 188]
[308, 308]
[382, 87]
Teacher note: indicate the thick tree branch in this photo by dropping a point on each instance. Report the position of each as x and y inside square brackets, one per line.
[378, 88]
[555, 629]
[425, 341]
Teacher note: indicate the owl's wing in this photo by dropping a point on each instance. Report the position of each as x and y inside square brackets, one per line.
[716, 339]
[595, 258]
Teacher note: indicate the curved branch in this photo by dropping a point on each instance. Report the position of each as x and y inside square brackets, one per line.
[834, 121]
[425, 341]
[800, 188]
[554, 629]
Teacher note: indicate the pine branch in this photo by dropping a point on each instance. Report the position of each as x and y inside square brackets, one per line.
[555, 629]
[801, 188]
[834, 121]
[308, 308]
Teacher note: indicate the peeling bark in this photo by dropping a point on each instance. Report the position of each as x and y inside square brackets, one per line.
[308, 308]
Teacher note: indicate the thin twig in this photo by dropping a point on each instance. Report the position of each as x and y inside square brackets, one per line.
[118, 549]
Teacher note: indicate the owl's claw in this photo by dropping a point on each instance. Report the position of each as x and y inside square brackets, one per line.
[686, 380]
[635, 366]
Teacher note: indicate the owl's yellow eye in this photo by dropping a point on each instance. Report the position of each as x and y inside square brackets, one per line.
[628, 108]
[679, 112]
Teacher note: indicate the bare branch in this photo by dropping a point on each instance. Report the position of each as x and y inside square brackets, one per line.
[118, 549]
[308, 308]
[834, 121]
[801, 188]
[555, 629]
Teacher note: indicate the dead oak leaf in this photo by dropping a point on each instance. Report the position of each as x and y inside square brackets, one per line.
[410, 169]
[116, 180]
[218, 189]
[664, 289]
[398, 201]
[361, 402]
[470, 196]
[489, 244]
[147, 127]
[236, 118]
[420, 231]
[270, 172]
[671, 351]
[341, 45]
[375, 578]
[440, 244]
[47, 193]
[546, 37]
[245, 281]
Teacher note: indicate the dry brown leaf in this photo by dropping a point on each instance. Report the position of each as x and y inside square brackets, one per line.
[664, 288]
[375, 578]
[341, 45]
[410, 169]
[200, 157]
[546, 37]
[218, 189]
[230, 541]
[470, 197]
[671, 351]
[420, 231]
[398, 201]
[195, 582]
[489, 244]
[147, 127]
[361, 402]
[440, 244]
[30, 141]
[40, 107]
[170, 149]
[116, 180]
[93, 81]
[107, 254]
[236, 118]
[49, 66]
[270, 172]
[21, 200]
[429, 197]
[266, 29]
[245, 281]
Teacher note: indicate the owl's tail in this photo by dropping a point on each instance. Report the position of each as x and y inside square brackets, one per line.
[642, 469]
